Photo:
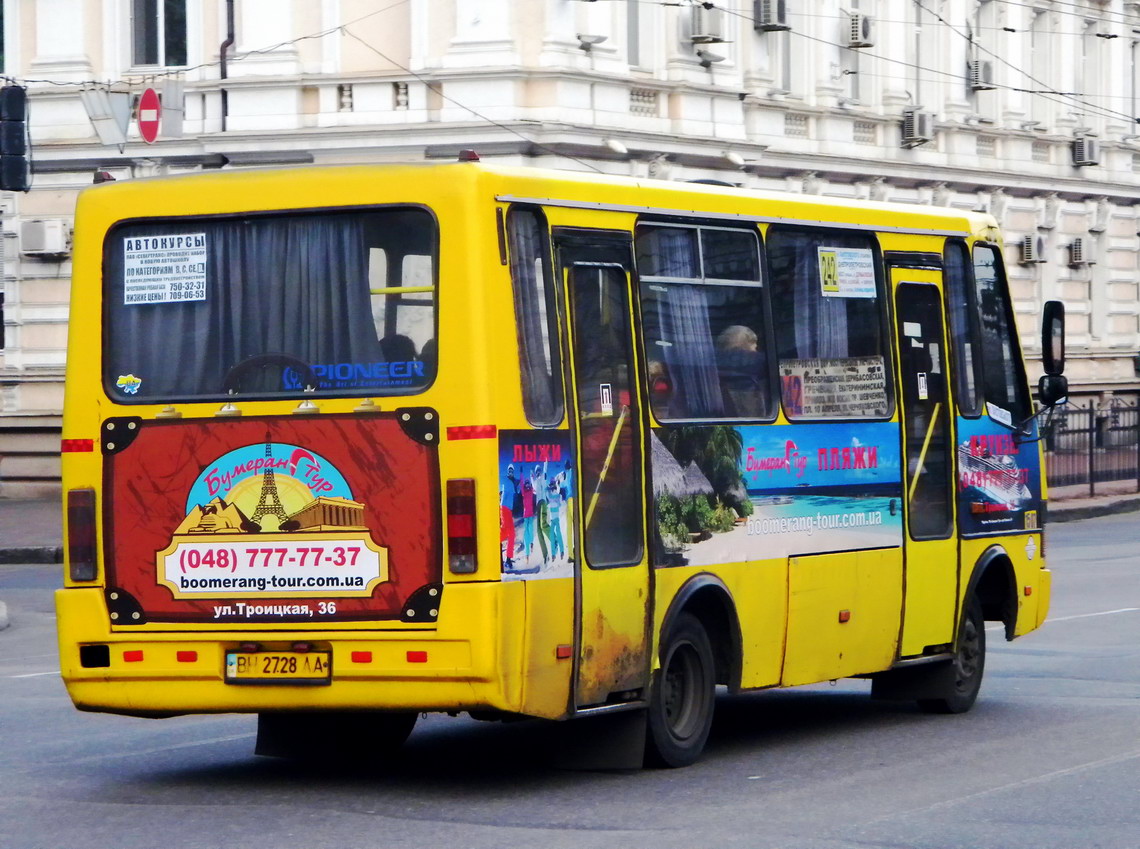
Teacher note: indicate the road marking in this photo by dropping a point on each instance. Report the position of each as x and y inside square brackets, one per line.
[35, 674]
[1025, 782]
[1088, 615]
[1076, 616]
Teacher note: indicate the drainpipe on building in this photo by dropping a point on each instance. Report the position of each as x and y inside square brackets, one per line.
[223, 71]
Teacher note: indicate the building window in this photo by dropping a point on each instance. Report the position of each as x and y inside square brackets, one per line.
[158, 29]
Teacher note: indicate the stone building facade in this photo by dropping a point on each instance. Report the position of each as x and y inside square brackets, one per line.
[1025, 109]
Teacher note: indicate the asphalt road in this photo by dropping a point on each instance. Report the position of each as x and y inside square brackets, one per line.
[1049, 757]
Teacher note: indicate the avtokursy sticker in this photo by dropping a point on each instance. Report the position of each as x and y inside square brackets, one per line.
[164, 269]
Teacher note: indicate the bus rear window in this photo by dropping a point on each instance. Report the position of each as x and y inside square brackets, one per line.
[339, 303]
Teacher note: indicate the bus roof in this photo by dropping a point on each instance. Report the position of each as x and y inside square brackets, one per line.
[309, 187]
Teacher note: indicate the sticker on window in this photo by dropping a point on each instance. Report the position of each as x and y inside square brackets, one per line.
[164, 269]
[848, 387]
[1000, 415]
[129, 383]
[847, 272]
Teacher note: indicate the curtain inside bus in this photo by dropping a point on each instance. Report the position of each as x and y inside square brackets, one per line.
[288, 291]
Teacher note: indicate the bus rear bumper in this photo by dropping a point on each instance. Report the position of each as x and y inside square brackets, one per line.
[175, 672]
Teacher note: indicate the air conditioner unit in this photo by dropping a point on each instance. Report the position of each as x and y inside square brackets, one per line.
[770, 15]
[1032, 250]
[1086, 151]
[980, 75]
[1077, 253]
[860, 33]
[707, 25]
[917, 127]
[43, 237]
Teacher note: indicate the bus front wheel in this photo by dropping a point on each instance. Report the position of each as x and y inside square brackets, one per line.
[682, 699]
[961, 679]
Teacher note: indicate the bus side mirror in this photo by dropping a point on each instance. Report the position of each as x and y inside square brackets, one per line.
[1052, 389]
[1053, 338]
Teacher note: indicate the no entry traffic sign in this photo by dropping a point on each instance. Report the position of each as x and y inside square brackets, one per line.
[149, 111]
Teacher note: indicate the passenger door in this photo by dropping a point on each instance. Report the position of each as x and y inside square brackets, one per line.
[931, 550]
[611, 569]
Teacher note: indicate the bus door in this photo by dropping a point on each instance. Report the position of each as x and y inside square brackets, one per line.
[611, 569]
[930, 549]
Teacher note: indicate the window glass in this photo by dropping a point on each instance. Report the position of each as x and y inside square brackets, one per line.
[608, 417]
[828, 312]
[706, 337]
[1007, 399]
[535, 314]
[270, 306]
[158, 32]
[963, 329]
[926, 419]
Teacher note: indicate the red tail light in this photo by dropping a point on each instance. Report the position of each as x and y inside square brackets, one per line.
[461, 546]
[81, 534]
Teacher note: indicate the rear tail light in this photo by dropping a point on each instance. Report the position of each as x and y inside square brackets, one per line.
[81, 534]
[461, 559]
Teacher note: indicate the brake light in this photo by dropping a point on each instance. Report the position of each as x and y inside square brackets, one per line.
[461, 541]
[81, 534]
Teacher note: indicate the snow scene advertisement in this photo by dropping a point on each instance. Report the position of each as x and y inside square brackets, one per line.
[536, 500]
[727, 494]
[999, 479]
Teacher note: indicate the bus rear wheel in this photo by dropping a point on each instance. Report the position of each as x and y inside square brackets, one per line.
[682, 699]
[357, 736]
[959, 683]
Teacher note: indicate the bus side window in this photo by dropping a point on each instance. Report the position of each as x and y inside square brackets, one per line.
[705, 322]
[962, 312]
[532, 281]
[829, 316]
[1003, 374]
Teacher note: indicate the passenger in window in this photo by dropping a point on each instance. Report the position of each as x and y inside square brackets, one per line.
[660, 387]
[428, 357]
[398, 348]
[742, 371]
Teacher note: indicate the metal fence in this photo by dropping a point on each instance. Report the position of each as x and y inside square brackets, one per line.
[1091, 446]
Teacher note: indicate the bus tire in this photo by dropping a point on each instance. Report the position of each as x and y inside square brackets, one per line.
[958, 683]
[333, 736]
[682, 697]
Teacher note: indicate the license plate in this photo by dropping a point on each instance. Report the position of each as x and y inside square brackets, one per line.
[278, 667]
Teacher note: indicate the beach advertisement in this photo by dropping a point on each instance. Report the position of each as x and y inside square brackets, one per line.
[725, 494]
[536, 497]
[999, 479]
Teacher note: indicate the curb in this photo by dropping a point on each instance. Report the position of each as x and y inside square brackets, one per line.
[1077, 511]
[32, 554]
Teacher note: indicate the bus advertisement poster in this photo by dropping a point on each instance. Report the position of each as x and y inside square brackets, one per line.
[999, 479]
[785, 490]
[536, 497]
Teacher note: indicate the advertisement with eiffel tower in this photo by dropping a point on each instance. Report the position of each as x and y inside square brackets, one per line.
[249, 519]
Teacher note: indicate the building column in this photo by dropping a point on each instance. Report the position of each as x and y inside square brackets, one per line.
[482, 35]
[60, 34]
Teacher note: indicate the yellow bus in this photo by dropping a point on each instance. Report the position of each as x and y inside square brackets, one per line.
[347, 444]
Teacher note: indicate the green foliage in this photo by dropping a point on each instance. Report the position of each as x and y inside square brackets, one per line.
[678, 518]
[670, 521]
[716, 449]
[723, 518]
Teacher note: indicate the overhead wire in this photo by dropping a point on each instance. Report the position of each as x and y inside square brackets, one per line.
[436, 89]
[1073, 100]
[1047, 92]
